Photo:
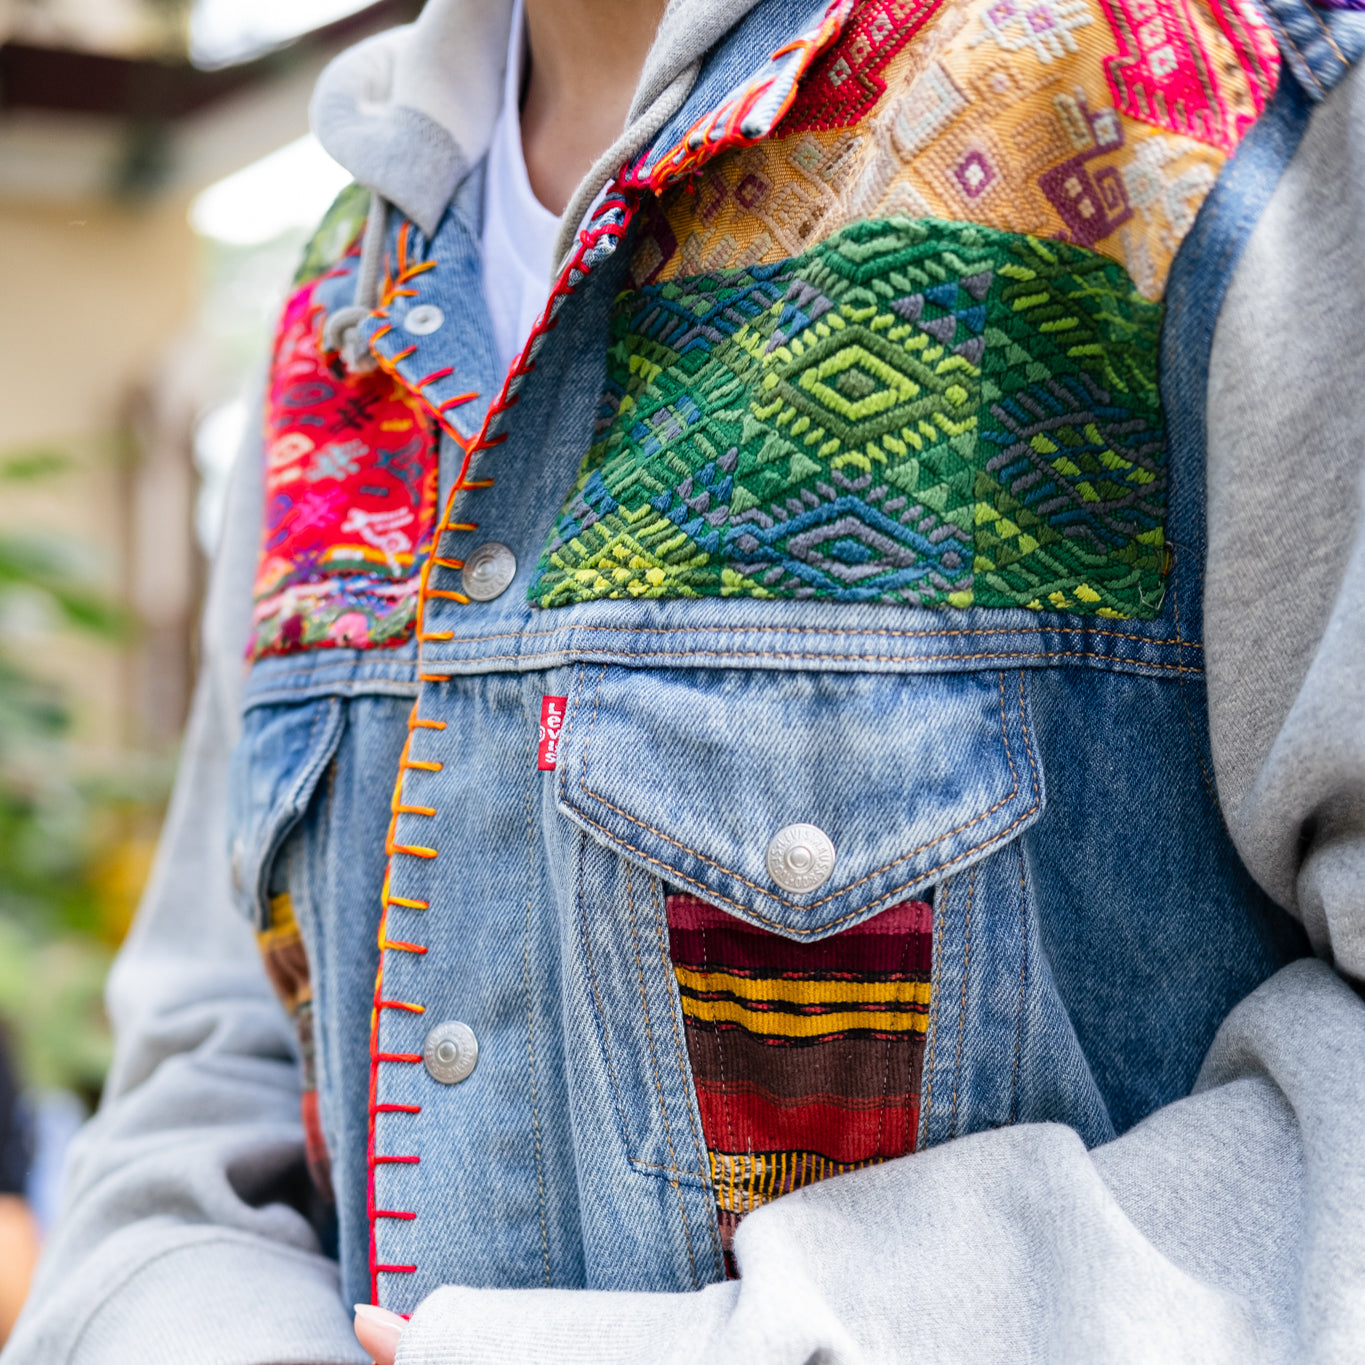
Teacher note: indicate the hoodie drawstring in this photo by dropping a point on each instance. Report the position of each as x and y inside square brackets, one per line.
[341, 332]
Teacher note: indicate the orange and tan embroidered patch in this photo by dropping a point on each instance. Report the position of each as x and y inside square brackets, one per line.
[1103, 123]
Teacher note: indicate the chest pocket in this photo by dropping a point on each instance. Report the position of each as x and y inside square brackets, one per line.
[803, 805]
[713, 781]
[276, 768]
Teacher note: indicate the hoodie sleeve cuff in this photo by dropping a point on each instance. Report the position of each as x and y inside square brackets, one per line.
[456, 1326]
[207, 1299]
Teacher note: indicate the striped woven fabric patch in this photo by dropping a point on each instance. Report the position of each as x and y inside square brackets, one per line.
[285, 956]
[806, 1056]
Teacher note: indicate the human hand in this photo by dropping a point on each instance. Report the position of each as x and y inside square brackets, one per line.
[378, 1331]
[18, 1255]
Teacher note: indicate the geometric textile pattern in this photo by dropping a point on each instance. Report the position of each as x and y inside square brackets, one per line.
[914, 412]
[806, 1057]
[1104, 123]
[286, 965]
[350, 498]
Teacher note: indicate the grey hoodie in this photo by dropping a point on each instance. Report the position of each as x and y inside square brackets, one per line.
[1226, 1227]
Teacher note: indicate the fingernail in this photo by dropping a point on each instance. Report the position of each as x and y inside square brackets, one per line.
[390, 1324]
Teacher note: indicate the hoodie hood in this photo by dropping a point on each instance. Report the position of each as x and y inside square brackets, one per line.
[410, 112]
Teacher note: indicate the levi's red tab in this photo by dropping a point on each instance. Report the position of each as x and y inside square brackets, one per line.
[551, 721]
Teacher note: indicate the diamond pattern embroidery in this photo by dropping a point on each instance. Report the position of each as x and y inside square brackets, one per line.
[914, 411]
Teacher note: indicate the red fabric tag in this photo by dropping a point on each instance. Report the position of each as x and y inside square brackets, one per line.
[551, 720]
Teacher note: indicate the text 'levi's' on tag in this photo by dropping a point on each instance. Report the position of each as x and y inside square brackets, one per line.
[551, 721]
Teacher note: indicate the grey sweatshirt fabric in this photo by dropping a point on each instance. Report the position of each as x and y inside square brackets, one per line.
[1226, 1227]
[391, 111]
[176, 1242]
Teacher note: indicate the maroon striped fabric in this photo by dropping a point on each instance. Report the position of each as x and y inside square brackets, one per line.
[806, 1056]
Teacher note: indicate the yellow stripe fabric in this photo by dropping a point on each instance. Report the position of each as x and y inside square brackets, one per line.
[806, 992]
[744, 1183]
[783, 1025]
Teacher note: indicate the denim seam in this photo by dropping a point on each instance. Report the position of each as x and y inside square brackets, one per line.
[962, 1008]
[712, 894]
[604, 1038]
[1198, 747]
[658, 1080]
[825, 657]
[844, 890]
[936, 992]
[1189, 715]
[684, 1070]
[377, 667]
[603, 232]
[1284, 33]
[1329, 35]
[285, 819]
[1023, 985]
[604, 1032]
[877, 631]
[378, 1057]
[298, 872]
[292, 696]
[530, 1017]
[332, 679]
[1176, 579]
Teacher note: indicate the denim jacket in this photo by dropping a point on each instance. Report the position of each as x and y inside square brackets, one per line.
[874, 486]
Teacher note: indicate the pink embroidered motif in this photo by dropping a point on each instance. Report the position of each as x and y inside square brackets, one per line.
[1164, 75]
[350, 498]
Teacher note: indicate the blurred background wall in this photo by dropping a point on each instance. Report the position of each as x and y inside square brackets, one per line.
[156, 186]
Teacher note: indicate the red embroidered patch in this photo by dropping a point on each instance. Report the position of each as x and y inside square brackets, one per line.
[551, 722]
[350, 499]
[845, 81]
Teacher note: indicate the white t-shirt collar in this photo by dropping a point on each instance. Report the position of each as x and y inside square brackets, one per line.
[519, 232]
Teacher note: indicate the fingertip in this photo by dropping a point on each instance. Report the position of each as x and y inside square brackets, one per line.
[378, 1331]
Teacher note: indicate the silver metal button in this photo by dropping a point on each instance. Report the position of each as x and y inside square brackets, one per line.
[800, 858]
[423, 320]
[450, 1052]
[488, 571]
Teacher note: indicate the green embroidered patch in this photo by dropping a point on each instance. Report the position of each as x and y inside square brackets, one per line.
[914, 411]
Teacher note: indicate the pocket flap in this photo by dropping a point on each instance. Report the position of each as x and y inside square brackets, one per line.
[694, 774]
[276, 766]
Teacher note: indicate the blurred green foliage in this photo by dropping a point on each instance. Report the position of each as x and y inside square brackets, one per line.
[62, 830]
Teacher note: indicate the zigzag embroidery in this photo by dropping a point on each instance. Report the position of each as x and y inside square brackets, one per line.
[915, 411]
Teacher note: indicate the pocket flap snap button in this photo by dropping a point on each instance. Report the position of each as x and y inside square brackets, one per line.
[800, 858]
[423, 320]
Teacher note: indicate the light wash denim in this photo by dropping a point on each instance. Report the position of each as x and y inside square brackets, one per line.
[1049, 781]
[1046, 777]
